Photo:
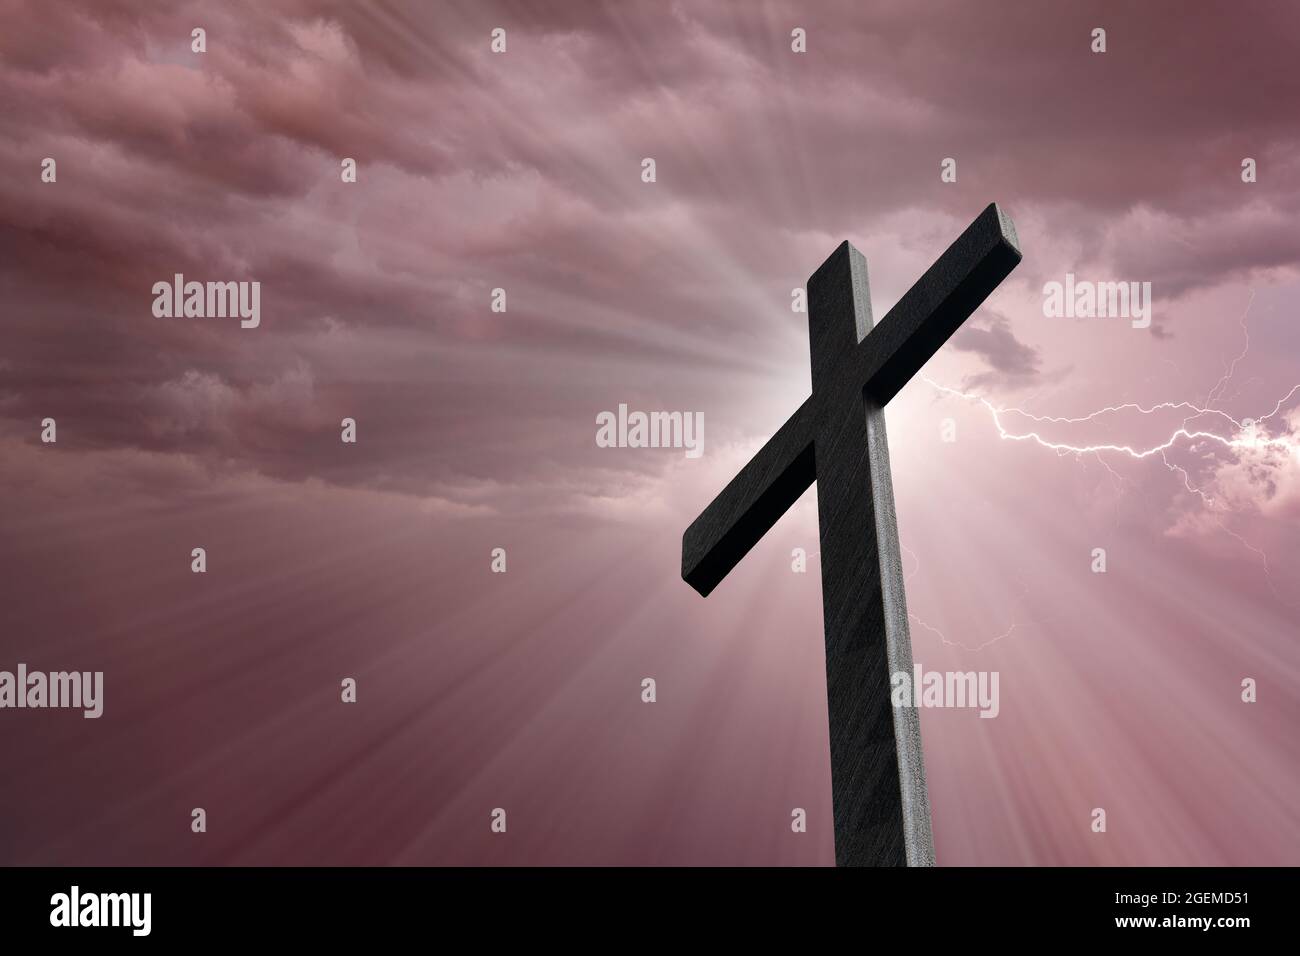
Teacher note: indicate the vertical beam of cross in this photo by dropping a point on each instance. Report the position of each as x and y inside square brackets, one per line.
[837, 437]
[881, 808]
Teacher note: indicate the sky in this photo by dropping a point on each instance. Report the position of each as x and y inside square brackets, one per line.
[476, 429]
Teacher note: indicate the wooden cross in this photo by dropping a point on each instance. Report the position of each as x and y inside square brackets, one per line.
[837, 437]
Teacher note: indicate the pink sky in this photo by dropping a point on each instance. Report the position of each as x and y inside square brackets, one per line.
[477, 429]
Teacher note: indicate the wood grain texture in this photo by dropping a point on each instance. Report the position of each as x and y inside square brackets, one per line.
[837, 437]
[877, 819]
[751, 503]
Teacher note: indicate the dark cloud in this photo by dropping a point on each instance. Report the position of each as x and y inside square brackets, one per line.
[522, 171]
[1011, 362]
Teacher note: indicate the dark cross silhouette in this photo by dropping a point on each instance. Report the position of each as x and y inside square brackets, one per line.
[882, 811]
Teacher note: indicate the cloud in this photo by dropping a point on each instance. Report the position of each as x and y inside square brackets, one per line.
[521, 171]
[1263, 477]
[1012, 363]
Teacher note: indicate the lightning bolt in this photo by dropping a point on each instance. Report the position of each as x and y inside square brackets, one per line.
[1232, 435]
[1247, 435]
[907, 576]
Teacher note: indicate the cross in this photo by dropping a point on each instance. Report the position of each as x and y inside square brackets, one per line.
[837, 437]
